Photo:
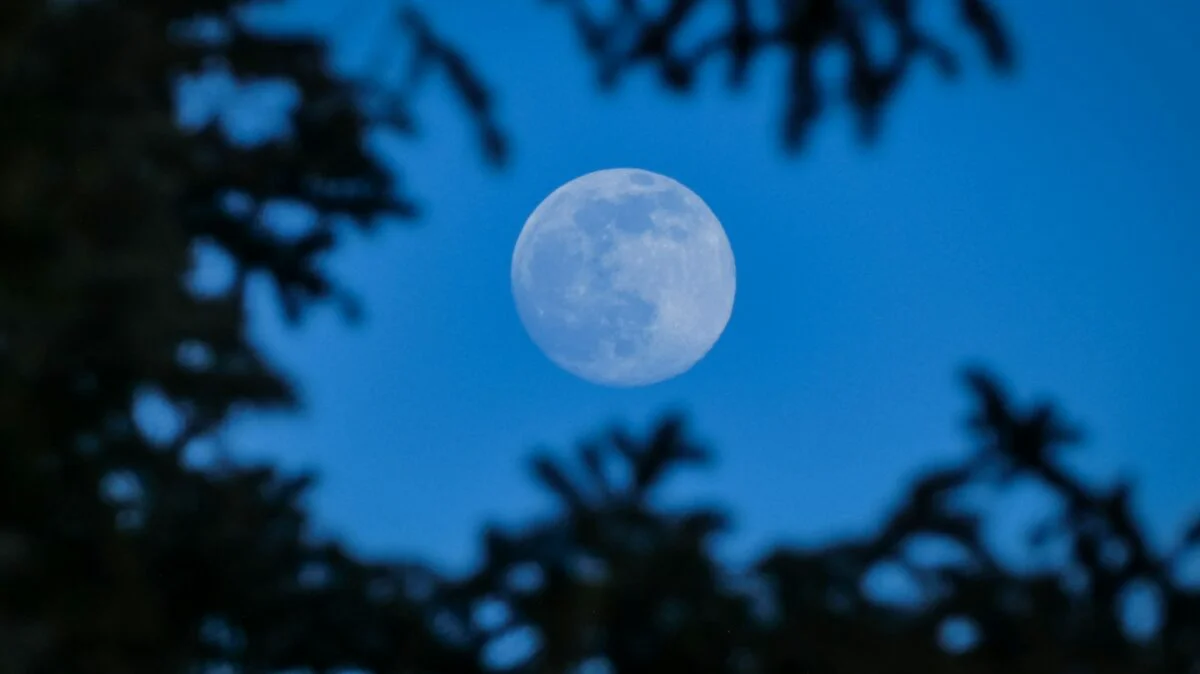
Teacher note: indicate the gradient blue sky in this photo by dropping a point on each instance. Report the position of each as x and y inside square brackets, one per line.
[1044, 225]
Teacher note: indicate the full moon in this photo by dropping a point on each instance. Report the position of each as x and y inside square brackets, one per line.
[623, 277]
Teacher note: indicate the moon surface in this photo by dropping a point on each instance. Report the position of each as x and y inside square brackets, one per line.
[623, 277]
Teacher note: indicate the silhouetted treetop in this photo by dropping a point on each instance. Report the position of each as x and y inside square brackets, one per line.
[615, 578]
[220, 568]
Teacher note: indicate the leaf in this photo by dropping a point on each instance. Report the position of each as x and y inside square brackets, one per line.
[551, 476]
[593, 463]
[980, 17]
[1192, 535]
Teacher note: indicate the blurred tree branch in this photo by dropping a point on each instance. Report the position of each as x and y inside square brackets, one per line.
[635, 34]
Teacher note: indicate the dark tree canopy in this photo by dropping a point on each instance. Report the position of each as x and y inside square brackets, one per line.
[619, 579]
[104, 201]
[119, 555]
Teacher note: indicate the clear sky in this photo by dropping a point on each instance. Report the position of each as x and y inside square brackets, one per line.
[1044, 225]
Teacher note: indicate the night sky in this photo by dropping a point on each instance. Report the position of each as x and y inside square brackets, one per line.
[1043, 225]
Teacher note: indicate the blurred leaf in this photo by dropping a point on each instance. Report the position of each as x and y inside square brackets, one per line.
[980, 17]
[553, 478]
[624, 36]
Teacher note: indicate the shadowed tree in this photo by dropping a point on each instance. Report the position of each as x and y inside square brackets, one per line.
[618, 580]
[123, 554]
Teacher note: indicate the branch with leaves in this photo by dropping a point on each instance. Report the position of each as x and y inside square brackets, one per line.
[655, 34]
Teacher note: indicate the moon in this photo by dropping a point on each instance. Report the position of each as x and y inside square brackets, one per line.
[623, 277]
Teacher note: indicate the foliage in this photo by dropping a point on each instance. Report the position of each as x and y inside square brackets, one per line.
[634, 34]
[620, 580]
[106, 201]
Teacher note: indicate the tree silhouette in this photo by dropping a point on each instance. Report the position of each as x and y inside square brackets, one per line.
[618, 580]
[118, 555]
[635, 34]
[105, 201]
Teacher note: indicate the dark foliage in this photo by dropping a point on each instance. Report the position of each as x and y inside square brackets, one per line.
[119, 554]
[659, 34]
[122, 554]
[620, 580]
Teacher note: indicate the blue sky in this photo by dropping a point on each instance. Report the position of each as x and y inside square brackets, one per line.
[1044, 225]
